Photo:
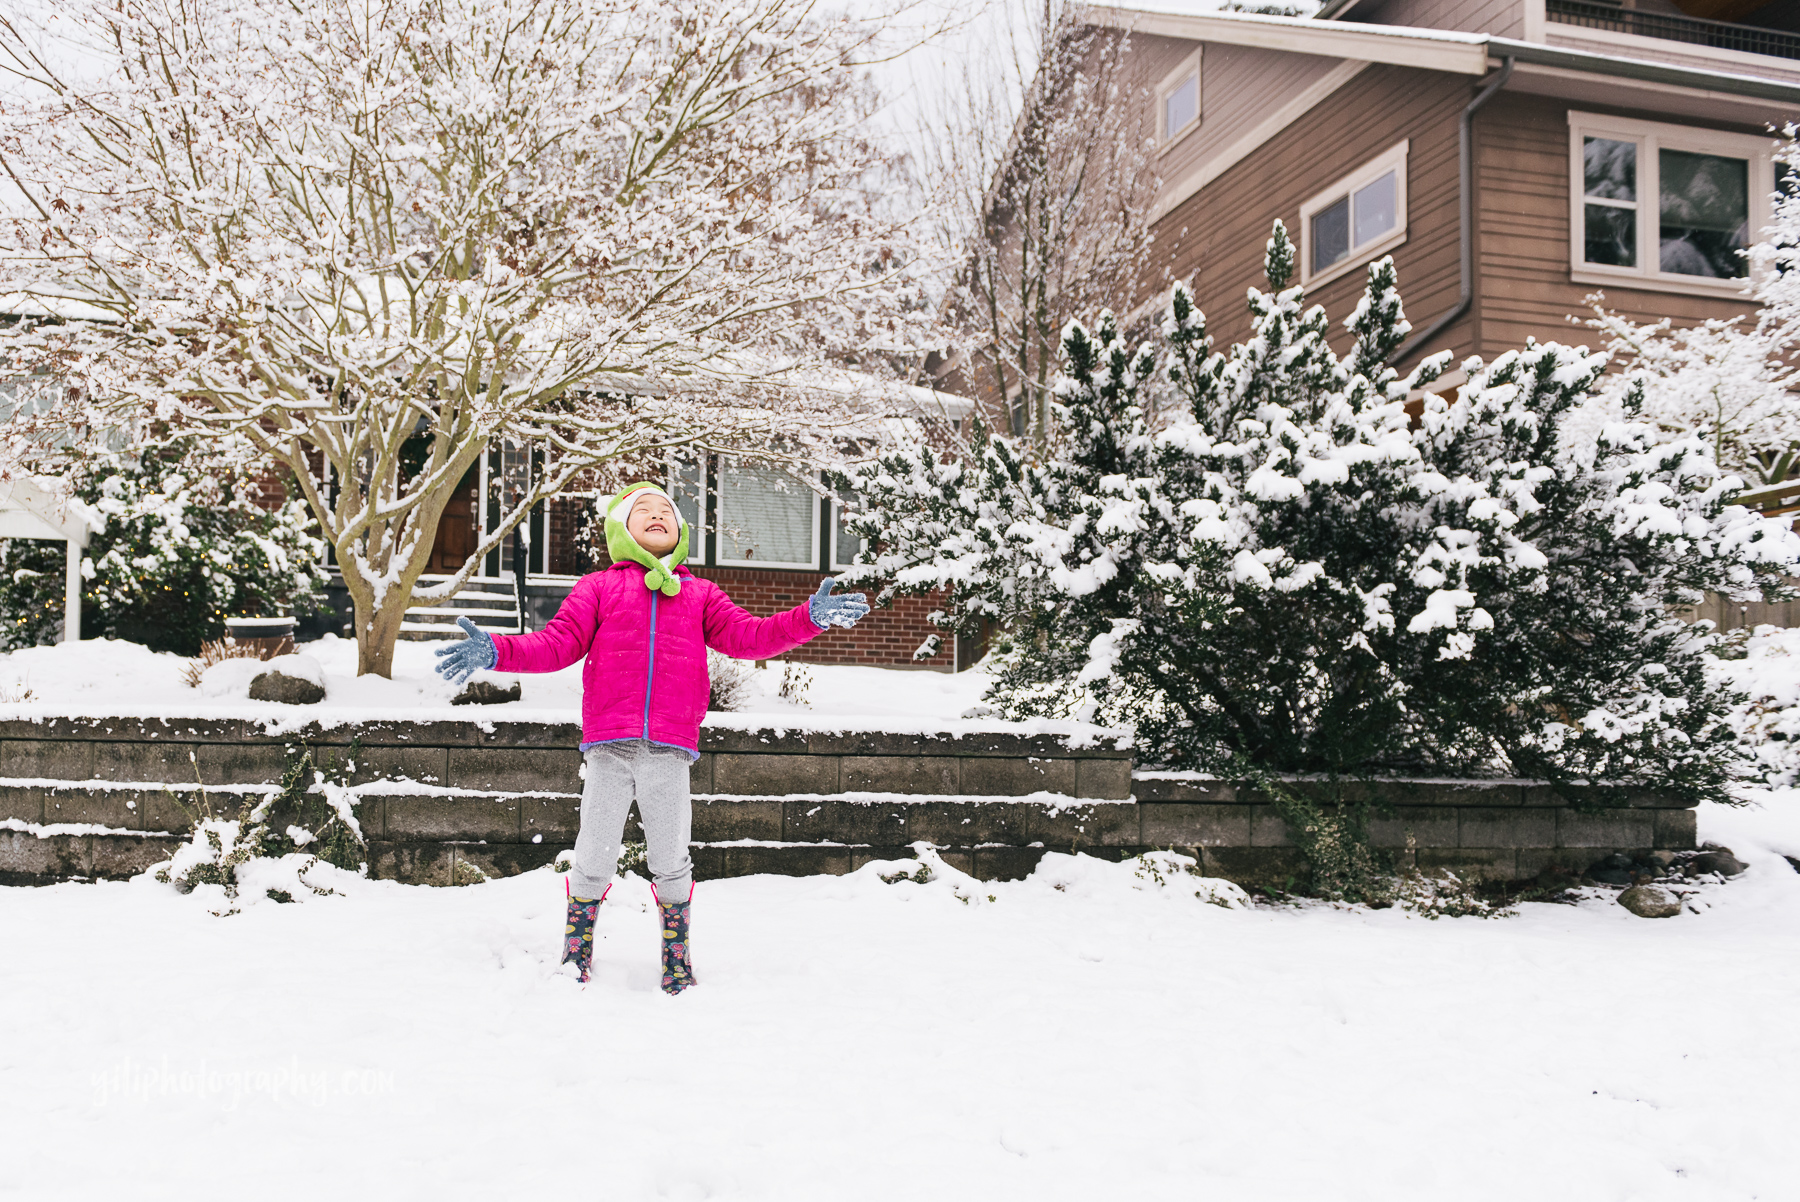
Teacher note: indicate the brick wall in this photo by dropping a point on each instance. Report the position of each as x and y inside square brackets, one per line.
[887, 636]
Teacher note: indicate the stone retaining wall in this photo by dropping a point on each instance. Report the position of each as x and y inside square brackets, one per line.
[442, 802]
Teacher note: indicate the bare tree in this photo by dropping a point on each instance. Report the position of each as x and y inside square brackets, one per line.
[347, 228]
[1042, 161]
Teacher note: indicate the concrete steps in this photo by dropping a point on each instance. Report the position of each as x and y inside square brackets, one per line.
[490, 605]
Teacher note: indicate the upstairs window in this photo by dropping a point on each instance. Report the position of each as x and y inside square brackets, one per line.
[1360, 217]
[1178, 101]
[1667, 207]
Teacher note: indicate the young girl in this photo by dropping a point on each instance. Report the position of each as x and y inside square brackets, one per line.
[644, 625]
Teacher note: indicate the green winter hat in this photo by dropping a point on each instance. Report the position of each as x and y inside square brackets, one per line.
[658, 573]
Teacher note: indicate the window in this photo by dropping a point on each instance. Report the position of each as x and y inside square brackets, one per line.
[687, 485]
[844, 545]
[1356, 219]
[1178, 101]
[1668, 207]
[766, 518]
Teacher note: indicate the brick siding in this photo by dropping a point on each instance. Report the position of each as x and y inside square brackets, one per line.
[886, 637]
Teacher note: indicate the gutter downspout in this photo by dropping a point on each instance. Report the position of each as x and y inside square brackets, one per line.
[1465, 215]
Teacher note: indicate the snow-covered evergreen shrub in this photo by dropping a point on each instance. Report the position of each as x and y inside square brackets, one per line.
[1302, 577]
[185, 545]
[310, 818]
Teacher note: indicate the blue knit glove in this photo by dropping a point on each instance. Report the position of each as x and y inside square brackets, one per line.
[827, 610]
[459, 661]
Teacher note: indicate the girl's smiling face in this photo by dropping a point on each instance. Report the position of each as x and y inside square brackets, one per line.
[652, 522]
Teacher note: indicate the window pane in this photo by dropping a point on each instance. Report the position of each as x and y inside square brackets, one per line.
[1611, 236]
[1705, 213]
[764, 516]
[688, 487]
[1375, 207]
[1611, 168]
[1181, 106]
[1331, 235]
[844, 545]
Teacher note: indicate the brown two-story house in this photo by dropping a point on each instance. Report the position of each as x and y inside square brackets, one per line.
[1513, 156]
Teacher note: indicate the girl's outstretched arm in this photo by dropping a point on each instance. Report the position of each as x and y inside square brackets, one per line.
[739, 633]
[565, 639]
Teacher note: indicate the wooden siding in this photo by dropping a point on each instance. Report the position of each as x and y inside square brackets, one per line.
[1239, 86]
[1502, 18]
[1216, 238]
[1523, 284]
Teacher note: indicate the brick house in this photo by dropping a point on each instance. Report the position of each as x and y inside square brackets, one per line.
[1514, 156]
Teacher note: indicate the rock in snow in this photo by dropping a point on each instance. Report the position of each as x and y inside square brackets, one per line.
[486, 692]
[291, 680]
[1650, 901]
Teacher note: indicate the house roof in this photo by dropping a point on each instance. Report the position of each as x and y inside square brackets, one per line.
[1430, 49]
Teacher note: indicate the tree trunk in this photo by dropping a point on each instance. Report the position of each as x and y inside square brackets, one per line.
[377, 630]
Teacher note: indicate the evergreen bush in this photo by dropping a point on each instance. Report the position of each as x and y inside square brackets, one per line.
[1306, 574]
[186, 544]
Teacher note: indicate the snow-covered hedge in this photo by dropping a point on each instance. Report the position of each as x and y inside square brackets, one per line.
[185, 544]
[1300, 574]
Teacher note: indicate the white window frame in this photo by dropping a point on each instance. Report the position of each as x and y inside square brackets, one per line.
[724, 523]
[1392, 159]
[1652, 137]
[1190, 67]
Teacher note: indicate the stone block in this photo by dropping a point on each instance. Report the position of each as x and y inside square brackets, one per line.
[1267, 828]
[1430, 826]
[411, 863]
[503, 859]
[964, 824]
[514, 769]
[1277, 867]
[1612, 829]
[26, 859]
[700, 776]
[712, 863]
[848, 822]
[1471, 863]
[1015, 776]
[1162, 789]
[547, 736]
[1194, 824]
[962, 861]
[224, 764]
[371, 815]
[754, 742]
[876, 743]
[1675, 830]
[1582, 797]
[1107, 778]
[1006, 863]
[425, 765]
[1086, 826]
[428, 818]
[1505, 826]
[24, 802]
[116, 857]
[721, 820]
[1572, 861]
[116, 808]
[931, 775]
[46, 759]
[774, 775]
[555, 818]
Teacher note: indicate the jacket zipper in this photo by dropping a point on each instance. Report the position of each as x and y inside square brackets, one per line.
[650, 671]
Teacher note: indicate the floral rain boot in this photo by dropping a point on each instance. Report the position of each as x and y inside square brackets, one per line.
[677, 973]
[578, 933]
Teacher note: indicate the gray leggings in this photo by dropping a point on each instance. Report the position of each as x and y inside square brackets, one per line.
[657, 776]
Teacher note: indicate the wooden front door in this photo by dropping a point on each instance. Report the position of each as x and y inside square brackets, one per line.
[456, 530]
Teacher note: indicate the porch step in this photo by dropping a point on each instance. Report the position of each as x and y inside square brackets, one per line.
[490, 606]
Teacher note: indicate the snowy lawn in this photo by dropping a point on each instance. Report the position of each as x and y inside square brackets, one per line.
[854, 1039]
[106, 677]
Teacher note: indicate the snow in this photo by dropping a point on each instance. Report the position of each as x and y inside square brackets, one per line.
[1084, 1035]
[107, 678]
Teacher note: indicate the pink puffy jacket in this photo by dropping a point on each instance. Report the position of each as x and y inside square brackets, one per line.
[645, 676]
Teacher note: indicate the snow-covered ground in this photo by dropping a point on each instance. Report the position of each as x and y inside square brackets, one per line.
[107, 678]
[1085, 1035]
